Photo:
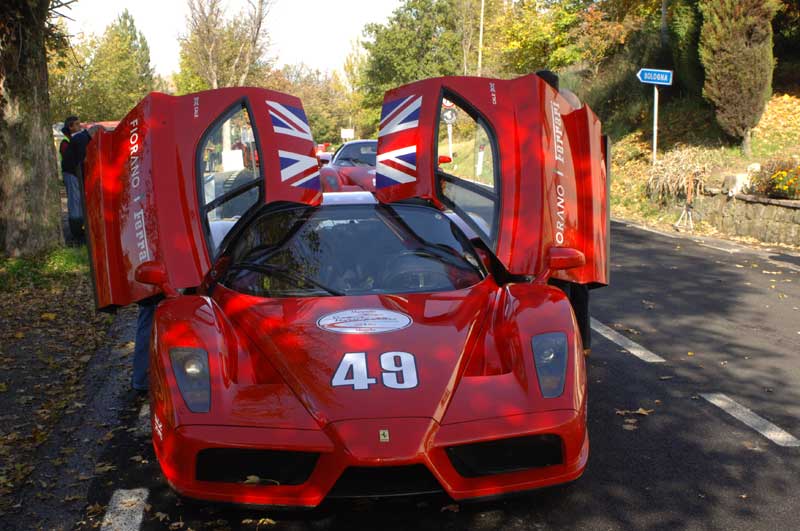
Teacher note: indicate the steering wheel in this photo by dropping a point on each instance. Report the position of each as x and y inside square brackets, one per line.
[411, 270]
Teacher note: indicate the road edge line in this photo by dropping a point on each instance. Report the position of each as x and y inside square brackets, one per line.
[769, 430]
[631, 346]
[125, 510]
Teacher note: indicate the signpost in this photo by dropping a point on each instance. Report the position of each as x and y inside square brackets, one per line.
[654, 77]
[449, 117]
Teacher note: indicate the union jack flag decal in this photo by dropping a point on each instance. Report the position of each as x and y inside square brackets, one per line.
[399, 115]
[398, 165]
[299, 170]
[288, 120]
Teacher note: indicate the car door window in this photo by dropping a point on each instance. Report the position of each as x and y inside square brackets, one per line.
[467, 169]
[229, 173]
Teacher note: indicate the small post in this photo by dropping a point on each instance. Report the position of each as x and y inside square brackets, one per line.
[450, 140]
[655, 121]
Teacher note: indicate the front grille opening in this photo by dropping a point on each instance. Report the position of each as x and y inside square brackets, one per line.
[372, 482]
[255, 467]
[506, 455]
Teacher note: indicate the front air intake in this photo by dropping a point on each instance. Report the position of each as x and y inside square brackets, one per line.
[357, 482]
[255, 467]
[506, 455]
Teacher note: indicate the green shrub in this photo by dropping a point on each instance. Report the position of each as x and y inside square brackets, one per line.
[684, 28]
[736, 51]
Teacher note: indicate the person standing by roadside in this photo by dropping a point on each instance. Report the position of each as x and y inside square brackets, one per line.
[72, 126]
[73, 151]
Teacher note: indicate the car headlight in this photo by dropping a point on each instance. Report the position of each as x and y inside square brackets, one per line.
[190, 366]
[550, 358]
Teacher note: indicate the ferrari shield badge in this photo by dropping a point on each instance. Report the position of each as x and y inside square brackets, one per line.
[383, 436]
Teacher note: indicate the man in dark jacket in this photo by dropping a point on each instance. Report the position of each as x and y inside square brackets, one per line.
[73, 151]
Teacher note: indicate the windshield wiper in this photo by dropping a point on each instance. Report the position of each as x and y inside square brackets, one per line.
[271, 269]
[444, 253]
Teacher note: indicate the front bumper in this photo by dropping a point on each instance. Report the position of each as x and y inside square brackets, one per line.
[359, 449]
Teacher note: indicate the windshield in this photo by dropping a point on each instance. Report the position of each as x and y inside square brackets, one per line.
[357, 154]
[351, 250]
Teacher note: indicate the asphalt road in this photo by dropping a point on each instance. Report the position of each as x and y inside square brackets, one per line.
[723, 319]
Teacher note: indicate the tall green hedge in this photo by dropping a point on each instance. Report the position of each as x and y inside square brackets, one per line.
[736, 51]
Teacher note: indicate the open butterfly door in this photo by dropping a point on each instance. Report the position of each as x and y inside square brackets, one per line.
[528, 170]
[178, 172]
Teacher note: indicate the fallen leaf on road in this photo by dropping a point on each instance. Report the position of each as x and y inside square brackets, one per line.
[649, 304]
[690, 353]
[130, 502]
[657, 402]
[644, 412]
[631, 421]
[102, 468]
[620, 326]
[19, 335]
[48, 316]
[95, 508]
[629, 427]
[743, 496]
[666, 377]
[739, 266]
[772, 272]
[252, 480]
[161, 516]
[452, 508]
[176, 525]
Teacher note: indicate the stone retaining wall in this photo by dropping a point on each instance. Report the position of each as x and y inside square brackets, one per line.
[768, 220]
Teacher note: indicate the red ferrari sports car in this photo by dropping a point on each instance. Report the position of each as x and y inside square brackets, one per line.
[352, 168]
[405, 340]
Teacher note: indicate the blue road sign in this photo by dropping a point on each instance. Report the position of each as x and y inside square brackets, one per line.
[652, 76]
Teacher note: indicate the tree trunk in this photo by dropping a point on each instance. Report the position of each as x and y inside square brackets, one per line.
[664, 27]
[30, 204]
[746, 138]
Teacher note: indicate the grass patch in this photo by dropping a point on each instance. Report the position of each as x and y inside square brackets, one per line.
[43, 270]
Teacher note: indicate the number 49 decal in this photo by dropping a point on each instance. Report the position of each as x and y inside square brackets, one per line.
[399, 371]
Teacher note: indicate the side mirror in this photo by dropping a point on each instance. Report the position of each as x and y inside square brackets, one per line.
[154, 274]
[565, 258]
[444, 159]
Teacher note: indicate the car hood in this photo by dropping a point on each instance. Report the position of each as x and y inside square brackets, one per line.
[305, 341]
[363, 176]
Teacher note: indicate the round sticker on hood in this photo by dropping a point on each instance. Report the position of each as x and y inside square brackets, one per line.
[364, 321]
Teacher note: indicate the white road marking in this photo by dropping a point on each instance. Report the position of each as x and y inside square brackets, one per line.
[634, 348]
[125, 510]
[716, 248]
[761, 425]
[143, 423]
